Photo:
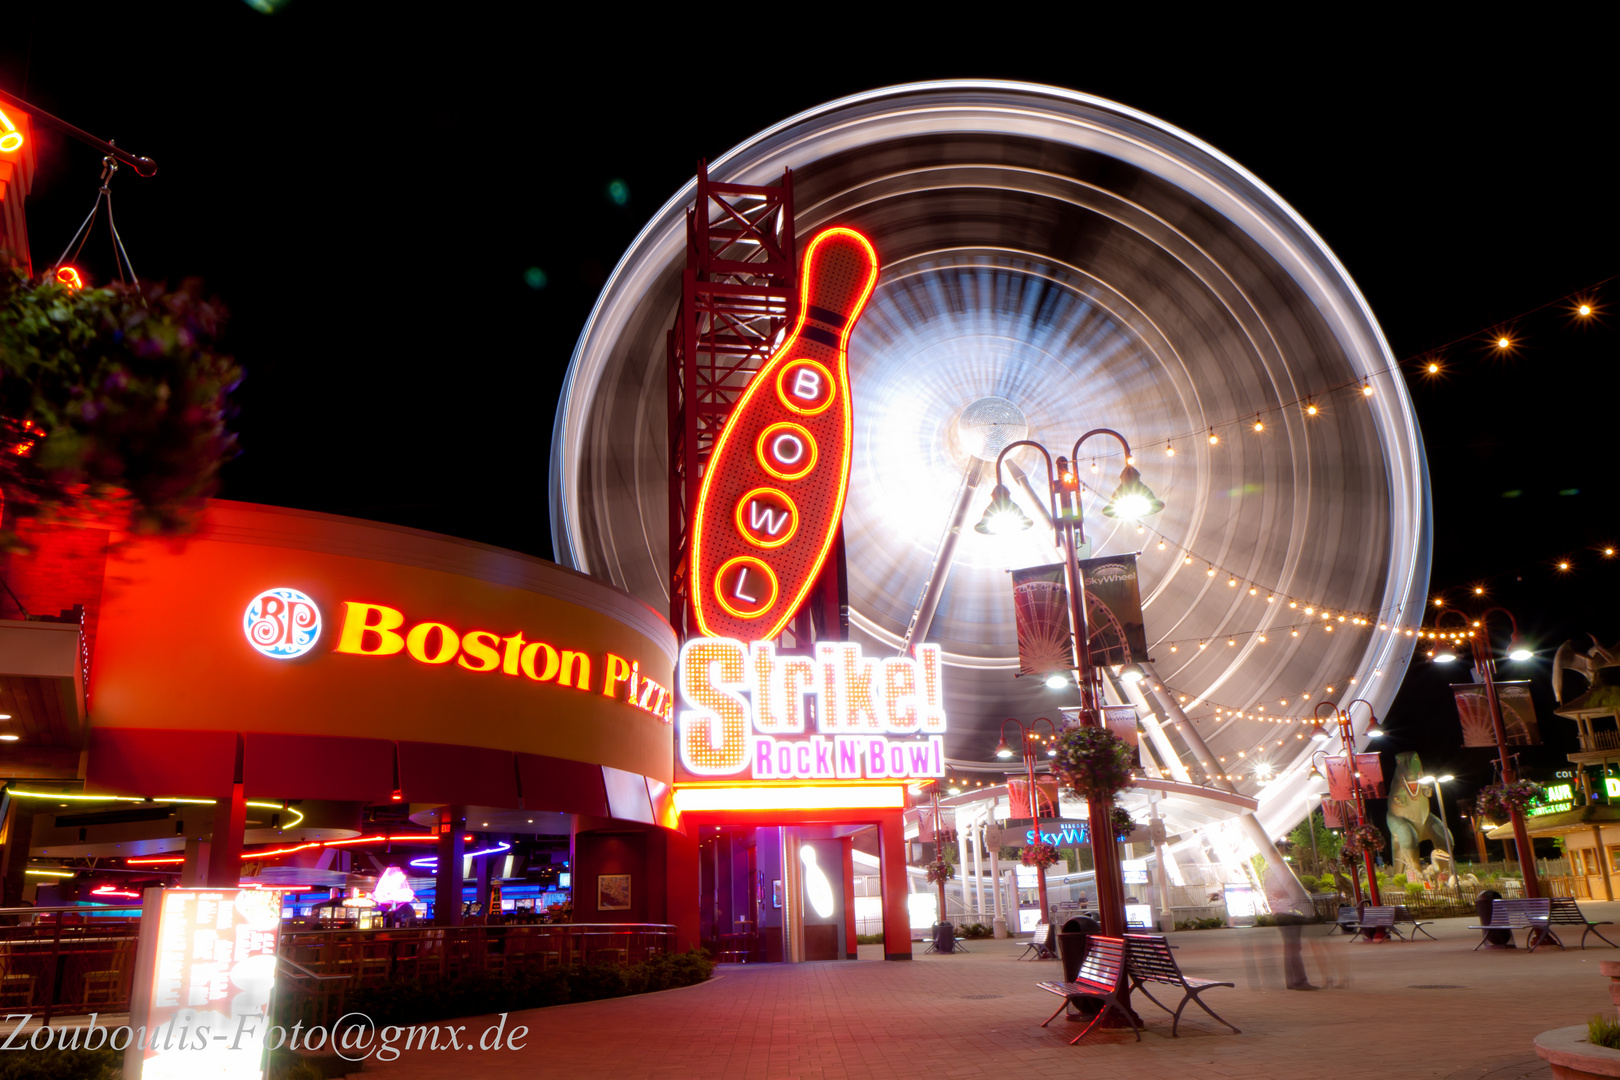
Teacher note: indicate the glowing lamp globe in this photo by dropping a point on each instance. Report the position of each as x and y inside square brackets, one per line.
[1002, 515]
[1132, 499]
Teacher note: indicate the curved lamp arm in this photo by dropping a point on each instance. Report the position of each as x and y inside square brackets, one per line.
[1074, 455]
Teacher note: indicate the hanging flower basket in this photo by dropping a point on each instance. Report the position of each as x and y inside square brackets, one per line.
[1362, 839]
[1500, 800]
[1040, 855]
[939, 870]
[1094, 763]
[1123, 823]
[112, 405]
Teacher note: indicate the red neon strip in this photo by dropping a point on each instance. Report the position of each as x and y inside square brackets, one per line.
[416, 838]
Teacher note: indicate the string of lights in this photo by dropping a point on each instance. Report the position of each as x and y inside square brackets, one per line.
[1501, 338]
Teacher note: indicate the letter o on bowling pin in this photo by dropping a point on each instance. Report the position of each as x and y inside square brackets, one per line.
[786, 450]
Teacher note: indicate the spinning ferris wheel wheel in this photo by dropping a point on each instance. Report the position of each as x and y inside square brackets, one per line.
[1053, 262]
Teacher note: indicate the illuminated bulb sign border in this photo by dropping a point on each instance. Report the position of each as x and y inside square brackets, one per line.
[758, 715]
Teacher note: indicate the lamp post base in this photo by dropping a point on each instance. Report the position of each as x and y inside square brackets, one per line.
[998, 927]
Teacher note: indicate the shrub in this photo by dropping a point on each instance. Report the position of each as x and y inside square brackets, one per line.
[976, 930]
[1603, 1031]
[1415, 889]
[868, 939]
[58, 1064]
[1212, 923]
[486, 992]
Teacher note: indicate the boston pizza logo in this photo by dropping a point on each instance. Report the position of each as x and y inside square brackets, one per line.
[282, 623]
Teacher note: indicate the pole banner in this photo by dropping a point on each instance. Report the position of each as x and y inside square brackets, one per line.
[1370, 768]
[1046, 790]
[1333, 815]
[1041, 614]
[1121, 720]
[1340, 785]
[1114, 610]
[1518, 713]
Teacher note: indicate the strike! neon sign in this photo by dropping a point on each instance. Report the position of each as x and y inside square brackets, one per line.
[872, 719]
[774, 487]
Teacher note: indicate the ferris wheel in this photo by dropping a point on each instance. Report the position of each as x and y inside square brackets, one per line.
[1054, 262]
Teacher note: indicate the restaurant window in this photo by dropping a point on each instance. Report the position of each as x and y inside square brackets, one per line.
[1614, 859]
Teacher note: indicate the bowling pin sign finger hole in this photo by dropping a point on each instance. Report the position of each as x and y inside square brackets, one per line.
[786, 450]
[745, 586]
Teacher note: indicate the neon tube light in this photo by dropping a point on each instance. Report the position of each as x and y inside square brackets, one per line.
[66, 797]
[419, 838]
[51, 873]
[433, 860]
[10, 138]
[827, 797]
[108, 890]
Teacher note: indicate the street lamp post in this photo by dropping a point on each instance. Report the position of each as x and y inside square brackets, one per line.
[1026, 734]
[1131, 500]
[1347, 738]
[1451, 843]
[1478, 638]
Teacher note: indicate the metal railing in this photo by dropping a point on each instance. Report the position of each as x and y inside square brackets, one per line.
[51, 967]
[416, 953]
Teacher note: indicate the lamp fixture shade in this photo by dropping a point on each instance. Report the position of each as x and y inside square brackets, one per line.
[1444, 656]
[1132, 499]
[1003, 750]
[1002, 515]
[1132, 673]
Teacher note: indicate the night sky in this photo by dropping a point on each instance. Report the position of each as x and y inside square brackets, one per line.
[368, 190]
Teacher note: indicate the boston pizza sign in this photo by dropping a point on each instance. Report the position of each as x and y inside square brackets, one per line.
[285, 623]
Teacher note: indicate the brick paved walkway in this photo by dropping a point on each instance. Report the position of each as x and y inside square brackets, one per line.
[1430, 1009]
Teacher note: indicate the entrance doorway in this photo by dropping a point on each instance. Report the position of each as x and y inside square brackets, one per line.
[804, 891]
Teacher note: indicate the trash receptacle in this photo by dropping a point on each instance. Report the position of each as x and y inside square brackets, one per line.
[1494, 939]
[1072, 943]
[944, 937]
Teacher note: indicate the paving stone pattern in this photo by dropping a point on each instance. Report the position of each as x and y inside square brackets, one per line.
[979, 1015]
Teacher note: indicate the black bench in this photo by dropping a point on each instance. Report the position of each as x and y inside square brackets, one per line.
[1404, 914]
[1520, 914]
[1345, 920]
[1040, 945]
[1101, 976]
[1374, 919]
[1148, 959]
[1566, 912]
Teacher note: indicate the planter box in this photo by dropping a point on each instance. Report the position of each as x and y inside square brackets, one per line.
[1573, 1058]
